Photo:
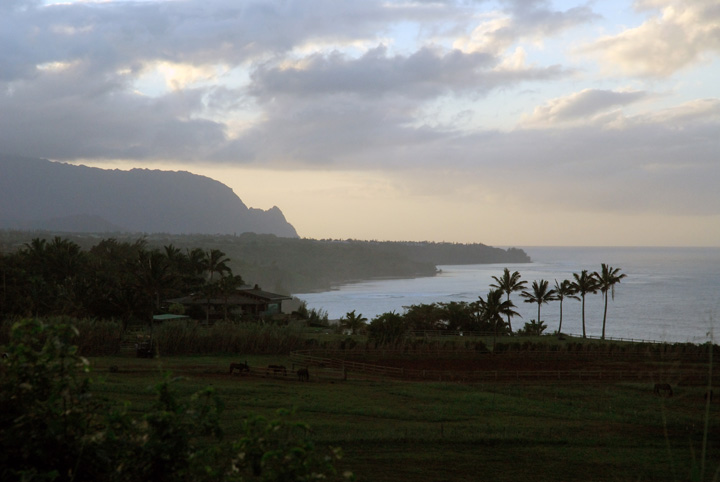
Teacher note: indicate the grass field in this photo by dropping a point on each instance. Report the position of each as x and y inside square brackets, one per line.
[430, 431]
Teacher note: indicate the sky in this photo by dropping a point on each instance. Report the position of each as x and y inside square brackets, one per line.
[508, 122]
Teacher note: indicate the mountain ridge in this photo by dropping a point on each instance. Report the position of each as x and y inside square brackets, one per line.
[43, 194]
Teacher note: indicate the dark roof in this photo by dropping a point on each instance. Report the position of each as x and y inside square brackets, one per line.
[242, 296]
[265, 295]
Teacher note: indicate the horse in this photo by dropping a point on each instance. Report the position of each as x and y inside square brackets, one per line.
[303, 375]
[276, 369]
[240, 367]
[663, 389]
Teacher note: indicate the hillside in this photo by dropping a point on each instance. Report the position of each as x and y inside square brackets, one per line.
[40, 194]
[292, 265]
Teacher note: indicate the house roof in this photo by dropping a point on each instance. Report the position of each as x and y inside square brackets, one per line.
[256, 292]
[243, 296]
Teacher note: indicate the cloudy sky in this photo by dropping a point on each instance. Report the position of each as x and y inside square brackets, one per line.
[508, 122]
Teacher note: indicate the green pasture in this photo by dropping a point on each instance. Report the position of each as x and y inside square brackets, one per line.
[427, 431]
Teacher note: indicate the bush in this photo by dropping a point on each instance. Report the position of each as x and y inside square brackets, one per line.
[52, 428]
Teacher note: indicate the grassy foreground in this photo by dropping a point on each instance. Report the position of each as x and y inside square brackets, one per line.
[426, 431]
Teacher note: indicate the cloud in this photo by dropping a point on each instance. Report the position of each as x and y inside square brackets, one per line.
[682, 34]
[580, 106]
[662, 162]
[426, 73]
[70, 113]
[374, 86]
[233, 93]
[521, 19]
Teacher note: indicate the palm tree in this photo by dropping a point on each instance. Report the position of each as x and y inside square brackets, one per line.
[192, 267]
[507, 284]
[354, 323]
[152, 276]
[564, 290]
[584, 284]
[493, 308]
[228, 286]
[216, 262]
[540, 295]
[606, 281]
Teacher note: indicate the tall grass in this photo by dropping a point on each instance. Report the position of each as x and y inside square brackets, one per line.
[188, 338]
[95, 337]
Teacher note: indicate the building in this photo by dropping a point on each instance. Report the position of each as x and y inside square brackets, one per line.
[245, 301]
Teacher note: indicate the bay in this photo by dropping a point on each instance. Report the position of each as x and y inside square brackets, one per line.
[669, 294]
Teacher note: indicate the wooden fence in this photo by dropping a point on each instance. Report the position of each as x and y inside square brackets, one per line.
[330, 360]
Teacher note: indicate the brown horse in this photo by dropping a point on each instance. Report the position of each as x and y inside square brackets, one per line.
[240, 367]
[663, 389]
[303, 375]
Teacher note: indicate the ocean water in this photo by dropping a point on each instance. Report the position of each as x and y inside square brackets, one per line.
[669, 294]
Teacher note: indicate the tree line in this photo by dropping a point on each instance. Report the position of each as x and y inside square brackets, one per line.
[492, 313]
[295, 265]
[124, 280]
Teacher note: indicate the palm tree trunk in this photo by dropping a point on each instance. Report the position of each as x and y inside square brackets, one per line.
[605, 315]
[583, 315]
[508, 317]
[538, 320]
[495, 333]
[560, 326]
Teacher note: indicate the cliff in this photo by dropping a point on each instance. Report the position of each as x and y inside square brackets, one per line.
[40, 194]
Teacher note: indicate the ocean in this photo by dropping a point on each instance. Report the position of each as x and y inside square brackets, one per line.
[669, 294]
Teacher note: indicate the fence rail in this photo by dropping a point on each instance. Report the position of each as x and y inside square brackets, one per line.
[611, 338]
[504, 338]
[549, 355]
[374, 371]
[439, 333]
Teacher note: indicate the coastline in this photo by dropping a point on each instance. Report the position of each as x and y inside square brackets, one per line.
[669, 295]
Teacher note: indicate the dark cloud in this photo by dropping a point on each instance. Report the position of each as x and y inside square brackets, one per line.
[425, 73]
[343, 84]
[70, 114]
[537, 17]
[70, 70]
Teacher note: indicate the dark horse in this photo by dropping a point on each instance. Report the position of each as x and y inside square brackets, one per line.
[663, 389]
[277, 369]
[240, 367]
[303, 375]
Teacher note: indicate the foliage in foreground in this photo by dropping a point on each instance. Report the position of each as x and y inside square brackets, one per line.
[52, 427]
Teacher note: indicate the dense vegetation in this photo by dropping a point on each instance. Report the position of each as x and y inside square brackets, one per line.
[53, 426]
[290, 265]
[121, 280]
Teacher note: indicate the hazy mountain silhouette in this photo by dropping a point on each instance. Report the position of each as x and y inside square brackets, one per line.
[40, 194]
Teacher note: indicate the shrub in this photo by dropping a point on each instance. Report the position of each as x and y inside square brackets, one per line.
[52, 428]
[388, 329]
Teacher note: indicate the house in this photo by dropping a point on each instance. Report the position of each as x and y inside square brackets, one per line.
[244, 301]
